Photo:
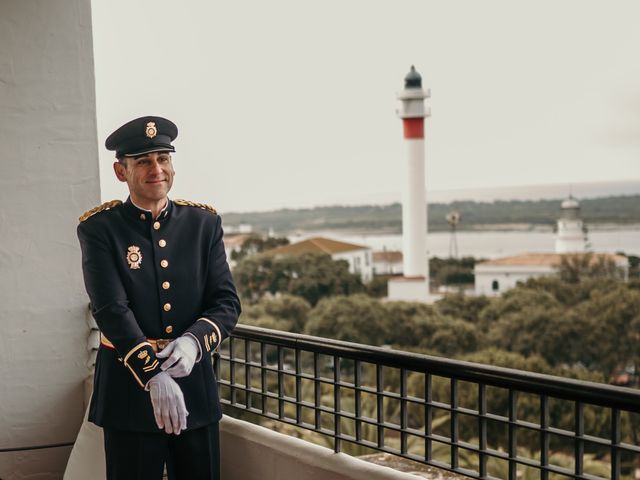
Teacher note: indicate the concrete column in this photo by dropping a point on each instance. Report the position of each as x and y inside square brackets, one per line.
[49, 159]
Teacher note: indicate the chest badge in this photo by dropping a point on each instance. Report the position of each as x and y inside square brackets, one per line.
[134, 257]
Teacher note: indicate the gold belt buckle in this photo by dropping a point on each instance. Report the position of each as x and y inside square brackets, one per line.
[162, 343]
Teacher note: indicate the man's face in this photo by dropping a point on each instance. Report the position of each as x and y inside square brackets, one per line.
[149, 176]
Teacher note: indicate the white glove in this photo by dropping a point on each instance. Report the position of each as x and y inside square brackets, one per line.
[168, 403]
[182, 354]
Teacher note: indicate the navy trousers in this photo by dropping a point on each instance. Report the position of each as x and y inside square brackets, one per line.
[192, 455]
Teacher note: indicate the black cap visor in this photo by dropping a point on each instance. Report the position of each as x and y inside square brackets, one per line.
[149, 150]
[135, 146]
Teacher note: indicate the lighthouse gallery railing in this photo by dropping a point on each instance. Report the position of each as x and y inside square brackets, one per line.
[476, 420]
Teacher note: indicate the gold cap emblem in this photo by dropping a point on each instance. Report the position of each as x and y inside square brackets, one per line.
[134, 257]
[151, 129]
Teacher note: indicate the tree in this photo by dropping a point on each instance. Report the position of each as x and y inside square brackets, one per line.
[453, 338]
[580, 266]
[356, 318]
[452, 271]
[256, 244]
[308, 275]
[612, 333]
[562, 413]
[256, 276]
[530, 320]
[461, 306]
[634, 266]
[419, 327]
[594, 323]
[407, 322]
[378, 286]
[285, 312]
[526, 331]
[565, 293]
[514, 301]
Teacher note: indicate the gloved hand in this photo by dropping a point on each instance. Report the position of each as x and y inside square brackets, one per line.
[182, 354]
[168, 403]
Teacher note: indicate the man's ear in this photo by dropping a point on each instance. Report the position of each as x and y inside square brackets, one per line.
[119, 170]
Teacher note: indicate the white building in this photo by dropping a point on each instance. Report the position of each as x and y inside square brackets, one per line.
[358, 257]
[242, 228]
[387, 262]
[494, 277]
[571, 236]
[497, 276]
[233, 243]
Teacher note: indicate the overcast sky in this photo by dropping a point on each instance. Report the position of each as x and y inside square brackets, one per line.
[291, 103]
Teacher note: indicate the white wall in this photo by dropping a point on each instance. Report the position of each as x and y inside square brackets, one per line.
[570, 237]
[387, 268]
[251, 452]
[507, 277]
[49, 177]
[409, 289]
[360, 262]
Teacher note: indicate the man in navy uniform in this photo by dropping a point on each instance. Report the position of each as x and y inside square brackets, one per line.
[162, 294]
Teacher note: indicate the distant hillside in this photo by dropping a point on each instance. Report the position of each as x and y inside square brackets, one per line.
[475, 215]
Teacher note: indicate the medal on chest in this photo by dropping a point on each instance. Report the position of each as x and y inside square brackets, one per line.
[134, 257]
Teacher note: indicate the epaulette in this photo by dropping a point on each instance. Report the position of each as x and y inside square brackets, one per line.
[99, 208]
[188, 203]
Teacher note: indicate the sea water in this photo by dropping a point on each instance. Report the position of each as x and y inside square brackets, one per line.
[494, 244]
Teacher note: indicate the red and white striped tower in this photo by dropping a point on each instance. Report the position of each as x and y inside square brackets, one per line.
[414, 285]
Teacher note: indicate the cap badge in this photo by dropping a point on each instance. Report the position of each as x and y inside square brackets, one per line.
[134, 257]
[151, 130]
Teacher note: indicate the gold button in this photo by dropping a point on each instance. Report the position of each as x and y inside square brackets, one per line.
[167, 307]
[162, 243]
[156, 225]
[166, 285]
[164, 263]
[142, 216]
[169, 329]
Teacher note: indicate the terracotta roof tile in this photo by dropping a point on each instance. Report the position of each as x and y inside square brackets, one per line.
[390, 256]
[544, 259]
[235, 240]
[316, 244]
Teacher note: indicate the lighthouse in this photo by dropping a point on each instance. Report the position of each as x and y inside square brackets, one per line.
[571, 236]
[414, 285]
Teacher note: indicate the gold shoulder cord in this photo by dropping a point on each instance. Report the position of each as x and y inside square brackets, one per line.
[99, 208]
[188, 203]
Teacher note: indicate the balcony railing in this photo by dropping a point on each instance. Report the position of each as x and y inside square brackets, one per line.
[476, 420]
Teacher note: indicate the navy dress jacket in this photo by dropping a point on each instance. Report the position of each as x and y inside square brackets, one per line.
[154, 279]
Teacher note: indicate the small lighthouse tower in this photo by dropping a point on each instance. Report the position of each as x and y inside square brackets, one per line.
[571, 237]
[414, 285]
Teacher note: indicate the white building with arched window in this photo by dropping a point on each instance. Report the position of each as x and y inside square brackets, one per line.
[494, 277]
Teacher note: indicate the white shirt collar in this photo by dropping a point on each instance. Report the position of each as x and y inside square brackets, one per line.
[149, 211]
